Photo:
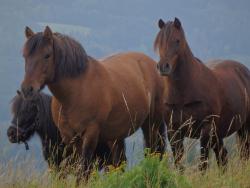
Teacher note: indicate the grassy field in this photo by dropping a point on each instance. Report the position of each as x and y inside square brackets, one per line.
[150, 172]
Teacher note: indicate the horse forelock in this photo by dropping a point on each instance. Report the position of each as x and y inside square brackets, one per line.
[163, 36]
[33, 43]
[19, 104]
[16, 104]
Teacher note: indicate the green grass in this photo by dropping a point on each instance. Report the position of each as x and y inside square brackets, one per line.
[237, 175]
[150, 172]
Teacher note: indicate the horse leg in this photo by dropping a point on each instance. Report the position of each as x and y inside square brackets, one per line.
[220, 152]
[89, 144]
[154, 136]
[204, 148]
[176, 141]
[161, 141]
[103, 154]
[146, 133]
[244, 142]
[117, 152]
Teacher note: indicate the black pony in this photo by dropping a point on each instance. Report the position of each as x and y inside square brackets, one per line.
[34, 116]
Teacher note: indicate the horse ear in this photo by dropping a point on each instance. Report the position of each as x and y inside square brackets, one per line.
[161, 23]
[177, 23]
[28, 32]
[47, 33]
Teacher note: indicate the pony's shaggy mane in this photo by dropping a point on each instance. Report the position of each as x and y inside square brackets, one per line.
[69, 55]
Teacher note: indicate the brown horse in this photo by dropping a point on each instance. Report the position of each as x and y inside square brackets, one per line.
[102, 101]
[206, 102]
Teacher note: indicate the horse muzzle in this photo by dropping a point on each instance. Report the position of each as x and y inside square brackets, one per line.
[12, 134]
[29, 92]
[165, 69]
[15, 135]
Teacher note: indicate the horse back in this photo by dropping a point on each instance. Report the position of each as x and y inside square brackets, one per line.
[234, 81]
[137, 69]
[232, 75]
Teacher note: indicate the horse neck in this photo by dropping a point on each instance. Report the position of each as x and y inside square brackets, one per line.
[49, 134]
[186, 66]
[185, 77]
[65, 89]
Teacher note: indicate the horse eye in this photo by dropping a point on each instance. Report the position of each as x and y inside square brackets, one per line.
[47, 56]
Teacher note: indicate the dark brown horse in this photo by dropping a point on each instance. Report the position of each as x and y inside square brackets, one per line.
[209, 102]
[103, 100]
[34, 117]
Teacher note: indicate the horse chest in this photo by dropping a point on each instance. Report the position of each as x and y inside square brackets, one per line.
[64, 123]
[189, 117]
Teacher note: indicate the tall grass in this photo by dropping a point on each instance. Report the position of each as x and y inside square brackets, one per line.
[150, 172]
[237, 175]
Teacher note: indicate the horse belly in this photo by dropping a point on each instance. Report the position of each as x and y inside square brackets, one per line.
[229, 125]
[231, 120]
[123, 122]
[236, 106]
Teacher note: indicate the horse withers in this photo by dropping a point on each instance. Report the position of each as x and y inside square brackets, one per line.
[34, 116]
[209, 102]
[104, 100]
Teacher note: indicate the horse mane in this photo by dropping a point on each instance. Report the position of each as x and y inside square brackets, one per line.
[47, 129]
[44, 110]
[69, 55]
[16, 104]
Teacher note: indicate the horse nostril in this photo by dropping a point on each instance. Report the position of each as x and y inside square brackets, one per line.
[158, 66]
[167, 66]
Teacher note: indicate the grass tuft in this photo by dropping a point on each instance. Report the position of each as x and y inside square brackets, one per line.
[149, 173]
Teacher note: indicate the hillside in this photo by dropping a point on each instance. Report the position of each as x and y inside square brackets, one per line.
[214, 29]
